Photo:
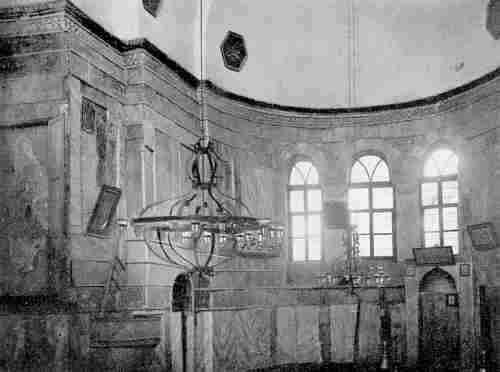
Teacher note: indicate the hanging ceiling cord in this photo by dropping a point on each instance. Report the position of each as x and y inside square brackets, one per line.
[353, 51]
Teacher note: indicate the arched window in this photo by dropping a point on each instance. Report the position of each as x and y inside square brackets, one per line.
[439, 200]
[305, 205]
[371, 206]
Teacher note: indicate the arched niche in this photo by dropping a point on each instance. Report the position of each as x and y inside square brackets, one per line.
[439, 281]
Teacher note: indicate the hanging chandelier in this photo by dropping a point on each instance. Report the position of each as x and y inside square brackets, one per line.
[205, 227]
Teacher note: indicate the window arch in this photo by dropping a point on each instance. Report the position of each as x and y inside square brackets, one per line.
[439, 199]
[371, 206]
[305, 203]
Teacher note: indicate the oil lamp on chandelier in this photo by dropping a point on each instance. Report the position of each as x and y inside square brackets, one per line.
[205, 227]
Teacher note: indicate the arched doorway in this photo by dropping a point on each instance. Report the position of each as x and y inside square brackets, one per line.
[181, 293]
[439, 334]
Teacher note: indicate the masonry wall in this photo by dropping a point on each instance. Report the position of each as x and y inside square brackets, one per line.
[53, 166]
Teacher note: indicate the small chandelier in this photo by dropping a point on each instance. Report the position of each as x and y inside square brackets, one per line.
[205, 227]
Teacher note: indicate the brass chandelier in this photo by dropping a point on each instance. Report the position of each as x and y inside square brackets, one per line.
[205, 227]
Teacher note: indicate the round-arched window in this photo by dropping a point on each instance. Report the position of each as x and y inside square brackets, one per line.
[439, 199]
[305, 205]
[371, 206]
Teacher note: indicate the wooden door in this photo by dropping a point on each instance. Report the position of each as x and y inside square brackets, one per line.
[439, 334]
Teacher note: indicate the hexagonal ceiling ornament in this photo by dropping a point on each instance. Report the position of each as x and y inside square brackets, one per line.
[151, 6]
[234, 51]
[493, 19]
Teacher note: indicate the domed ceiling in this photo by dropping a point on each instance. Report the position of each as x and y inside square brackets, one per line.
[322, 53]
[351, 53]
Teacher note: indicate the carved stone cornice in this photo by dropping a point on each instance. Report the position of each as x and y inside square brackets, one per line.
[56, 22]
[241, 108]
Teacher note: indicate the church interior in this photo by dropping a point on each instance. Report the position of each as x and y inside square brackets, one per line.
[230, 185]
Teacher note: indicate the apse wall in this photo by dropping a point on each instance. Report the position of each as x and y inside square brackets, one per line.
[404, 135]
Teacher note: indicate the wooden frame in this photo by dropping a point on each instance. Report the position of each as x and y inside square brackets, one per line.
[482, 236]
[104, 211]
[434, 256]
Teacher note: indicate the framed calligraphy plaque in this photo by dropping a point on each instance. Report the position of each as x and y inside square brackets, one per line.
[104, 211]
[482, 236]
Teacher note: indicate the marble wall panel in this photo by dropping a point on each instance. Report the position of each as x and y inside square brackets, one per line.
[298, 334]
[369, 333]
[286, 339]
[242, 339]
[342, 328]
[24, 194]
[308, 345]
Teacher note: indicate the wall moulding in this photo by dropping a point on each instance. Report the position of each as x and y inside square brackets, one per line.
[63, 16]
[27, 112]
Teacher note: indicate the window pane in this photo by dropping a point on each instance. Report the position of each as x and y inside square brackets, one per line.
[382, 222]
[429, 193]
[364, 245]
[450, 192]
[382, 198]
[314, 225]
[297, 201]
[298, 249]
[431, 219]
[450, 218]
[296, 178]
[362, 221]
[446, 161]
[314, 200]
[314, 249]
[303, 167]
[432, 239]
[358, 199]
[370, 162]
[430, 168]
[298, 226]
[358, 173]
[381, 172]
[382, 245]
[312, 177]
[451, 165]
[451, 238]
